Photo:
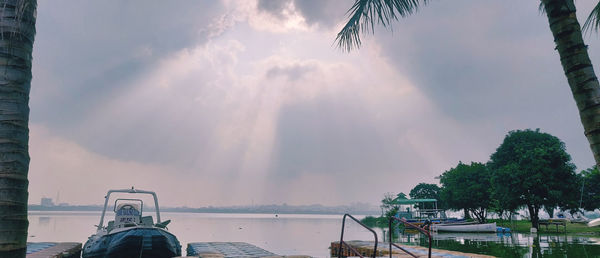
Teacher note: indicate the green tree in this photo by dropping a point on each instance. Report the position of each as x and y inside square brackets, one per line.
[389, 205]
[565, 28]
[17, 23]
[590, 192]
[532, 169]
[427, 191]
[467, 187]
[505, 201]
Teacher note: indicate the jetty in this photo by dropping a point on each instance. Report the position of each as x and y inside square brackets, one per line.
[366, 249]
[241, 249]
[353, 248]
[231, 250]
[53, 250]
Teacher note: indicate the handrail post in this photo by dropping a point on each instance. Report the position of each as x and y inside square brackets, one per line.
[403, 221]
[390, 235]
[342, 237]
[429, 236]
[363, 225]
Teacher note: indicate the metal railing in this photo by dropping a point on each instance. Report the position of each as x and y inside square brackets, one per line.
[342, 243]
[406, 223]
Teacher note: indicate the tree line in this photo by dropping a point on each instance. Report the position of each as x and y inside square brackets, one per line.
[530, 170]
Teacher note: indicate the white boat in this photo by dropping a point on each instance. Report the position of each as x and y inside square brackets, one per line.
[485, 236]
[489, 227]
[594, 223]
[576, 217]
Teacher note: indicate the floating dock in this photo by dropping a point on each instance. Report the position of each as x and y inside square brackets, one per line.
[241, 249]
[53, 250]
[383, 250]
[231, 250]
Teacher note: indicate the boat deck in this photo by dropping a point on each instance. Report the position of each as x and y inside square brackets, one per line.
[50, 249]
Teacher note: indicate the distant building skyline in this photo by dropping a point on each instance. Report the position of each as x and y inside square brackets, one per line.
[46, 202]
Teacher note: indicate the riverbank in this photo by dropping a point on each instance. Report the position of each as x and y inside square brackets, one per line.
[519, 226]
[524, 226]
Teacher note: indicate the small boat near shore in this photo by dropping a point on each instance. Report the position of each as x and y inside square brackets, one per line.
[130, 234]
[594, 223]
[488, 227]
[477, 236]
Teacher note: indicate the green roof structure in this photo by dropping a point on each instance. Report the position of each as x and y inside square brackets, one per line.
[413, 201]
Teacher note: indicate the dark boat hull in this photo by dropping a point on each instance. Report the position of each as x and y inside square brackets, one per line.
[135, 242]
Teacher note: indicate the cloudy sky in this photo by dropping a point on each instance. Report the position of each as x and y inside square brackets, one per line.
[239, 102]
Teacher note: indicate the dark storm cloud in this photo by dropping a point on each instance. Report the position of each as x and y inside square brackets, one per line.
[489, 63]
[315, 12]
[324, 13]
[87, 55]
[274, 7]
[462, 63]
[90, 50]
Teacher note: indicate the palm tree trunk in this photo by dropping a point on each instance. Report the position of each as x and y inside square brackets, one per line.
[577, 67]
[17, 31]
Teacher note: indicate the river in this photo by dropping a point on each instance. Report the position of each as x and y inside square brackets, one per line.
[289, 234]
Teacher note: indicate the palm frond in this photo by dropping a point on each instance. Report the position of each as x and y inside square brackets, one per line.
[593, 21]
[365, 14]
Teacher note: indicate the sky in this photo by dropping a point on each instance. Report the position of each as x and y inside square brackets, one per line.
[231, 102]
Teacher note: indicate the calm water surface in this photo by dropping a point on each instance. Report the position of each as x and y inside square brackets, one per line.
[289, 234]
[285, 234]
[512, 245]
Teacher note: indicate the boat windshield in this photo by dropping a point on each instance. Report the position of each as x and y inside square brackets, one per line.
[127, 214]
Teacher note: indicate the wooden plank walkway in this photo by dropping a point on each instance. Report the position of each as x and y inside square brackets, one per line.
[240, 249]
[366, 249]
[53, 250]
[230, 250]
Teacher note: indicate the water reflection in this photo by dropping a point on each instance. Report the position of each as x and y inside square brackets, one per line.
[510, 245]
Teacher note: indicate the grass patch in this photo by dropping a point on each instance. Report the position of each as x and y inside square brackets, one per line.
[523, 226]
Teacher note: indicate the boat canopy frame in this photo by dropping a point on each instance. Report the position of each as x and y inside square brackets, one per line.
[130, 191]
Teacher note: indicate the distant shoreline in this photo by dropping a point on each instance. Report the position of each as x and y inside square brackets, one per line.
[265, 209]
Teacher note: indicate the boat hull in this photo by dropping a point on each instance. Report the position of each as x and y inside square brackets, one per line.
[594, 223]
[490, 227]
[134, 242]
